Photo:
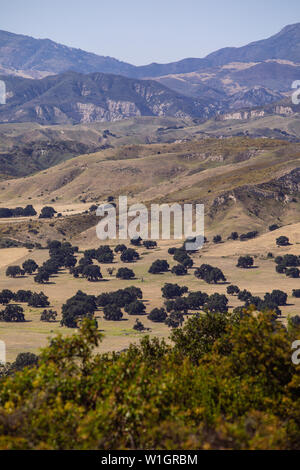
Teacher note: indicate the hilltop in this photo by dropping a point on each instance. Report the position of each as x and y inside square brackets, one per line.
[244, 183]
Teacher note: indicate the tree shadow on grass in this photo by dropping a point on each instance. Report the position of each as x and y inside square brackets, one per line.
[115, 321]
[48, 283]
[248, 268]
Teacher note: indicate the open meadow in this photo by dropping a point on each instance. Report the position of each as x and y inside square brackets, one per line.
[262, 278]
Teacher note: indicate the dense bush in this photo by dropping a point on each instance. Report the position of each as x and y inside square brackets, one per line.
[179, 270]
[70, 261]
[266, 304]
[159, 266]
[29, 266]
[14, 271]
[210, 274]
[77, 307]
[157, 315]
[233, 236]
[38, 300]
[196, 300]
[178, 305]
[112, 312]
[225, 382]
[217, 303]
[136, 241]
[233, 290]
[149, 244]
[175, 319]
[273, 227]
[292, 272]
[47, 212]
[248, 235]
[104, 254]
[280, 269]
[129, 255]
[120, 297]
[244, 295]
[282, 241]
[120, 248]
[245, 262]
[42, 276]
[135, 308]
[288, 260]
[12, 313]
[138, 326]
[182, 257]
[217, 239]
[48, 316]
[171, 291]
[25, 360]
[92, 273]
[6, 296]
[288, 264]
[125, 273]
[277, 296]
[28, 211]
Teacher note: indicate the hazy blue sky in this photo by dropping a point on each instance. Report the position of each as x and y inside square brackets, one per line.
[144, 31]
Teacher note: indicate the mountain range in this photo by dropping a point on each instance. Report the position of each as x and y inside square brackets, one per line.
[21, 53]
[77, 98]
[50, 83]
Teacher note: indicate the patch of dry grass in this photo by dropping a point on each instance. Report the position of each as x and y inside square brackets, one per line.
[33, 334]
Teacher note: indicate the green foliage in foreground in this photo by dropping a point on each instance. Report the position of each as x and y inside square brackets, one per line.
[227, 381]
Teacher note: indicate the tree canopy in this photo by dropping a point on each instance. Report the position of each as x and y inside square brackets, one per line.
[226, 380]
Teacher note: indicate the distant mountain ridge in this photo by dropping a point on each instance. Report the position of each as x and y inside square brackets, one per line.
[284, 45]
[39, 57]
[49, 83]
[224, 82]
[73, 98]
[77, 98]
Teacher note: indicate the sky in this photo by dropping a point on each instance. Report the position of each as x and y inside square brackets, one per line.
[145, 31]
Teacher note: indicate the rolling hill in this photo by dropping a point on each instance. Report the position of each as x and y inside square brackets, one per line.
[26, 148]
[245, 184]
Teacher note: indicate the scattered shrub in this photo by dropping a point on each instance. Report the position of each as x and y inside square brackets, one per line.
[245, 262]
[125, 273]
[135, 308]
[112, 313]
[159, 266]
[157, 315]
[282, 241]
[179, 270]
[233, 290]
